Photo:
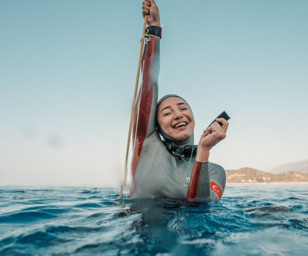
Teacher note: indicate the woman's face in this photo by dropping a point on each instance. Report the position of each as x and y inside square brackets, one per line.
[175, 118]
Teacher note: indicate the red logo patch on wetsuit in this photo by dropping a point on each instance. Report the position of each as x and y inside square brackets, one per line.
[216, 189]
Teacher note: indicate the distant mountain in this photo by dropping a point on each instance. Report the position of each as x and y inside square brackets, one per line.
[301, 166]
[250, 175]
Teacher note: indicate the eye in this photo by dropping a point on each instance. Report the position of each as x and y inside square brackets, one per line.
[184, 108]
[166, 113]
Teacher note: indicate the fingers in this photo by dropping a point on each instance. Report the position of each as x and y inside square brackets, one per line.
[214, 133]
[206, 132]
[153, 3]
[224, 123]
[150, 9]
[217, 129]
[146, 8]
[222, 120]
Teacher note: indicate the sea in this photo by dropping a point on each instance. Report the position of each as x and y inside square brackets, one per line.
[251, 219]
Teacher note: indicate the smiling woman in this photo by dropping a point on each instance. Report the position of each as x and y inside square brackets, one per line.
[166, 163]
[175, 117]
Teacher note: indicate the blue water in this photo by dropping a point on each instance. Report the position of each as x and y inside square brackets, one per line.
[257, 219]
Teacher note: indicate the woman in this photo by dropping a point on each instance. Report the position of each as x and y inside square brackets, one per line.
[165, 161]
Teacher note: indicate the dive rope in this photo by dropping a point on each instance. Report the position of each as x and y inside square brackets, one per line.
[123, 184]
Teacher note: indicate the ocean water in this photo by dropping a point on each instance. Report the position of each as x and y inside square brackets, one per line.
[251, 219]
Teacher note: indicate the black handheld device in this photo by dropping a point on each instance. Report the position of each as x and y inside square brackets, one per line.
[222, 115]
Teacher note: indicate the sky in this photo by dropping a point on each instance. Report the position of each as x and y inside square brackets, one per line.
[68, 70]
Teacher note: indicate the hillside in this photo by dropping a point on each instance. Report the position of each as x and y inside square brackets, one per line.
[301, 166]
[250, 175]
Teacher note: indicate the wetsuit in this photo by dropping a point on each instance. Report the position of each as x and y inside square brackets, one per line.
[155, 171]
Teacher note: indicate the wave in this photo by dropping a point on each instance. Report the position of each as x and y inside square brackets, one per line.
[79, 221]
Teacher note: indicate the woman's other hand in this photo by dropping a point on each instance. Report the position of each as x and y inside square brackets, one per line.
[210, 137]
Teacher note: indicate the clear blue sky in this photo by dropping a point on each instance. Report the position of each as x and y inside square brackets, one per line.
[67, 74]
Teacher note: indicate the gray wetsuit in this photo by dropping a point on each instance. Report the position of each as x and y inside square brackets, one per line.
[155, 171]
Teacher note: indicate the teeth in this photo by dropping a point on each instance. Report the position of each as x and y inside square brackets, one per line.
[179, 124]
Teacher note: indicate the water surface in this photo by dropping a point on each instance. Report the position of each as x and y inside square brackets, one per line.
[251, 219]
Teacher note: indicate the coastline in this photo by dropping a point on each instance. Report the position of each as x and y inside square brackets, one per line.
[265, 183]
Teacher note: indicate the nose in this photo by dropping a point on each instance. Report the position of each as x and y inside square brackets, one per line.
[177, 115]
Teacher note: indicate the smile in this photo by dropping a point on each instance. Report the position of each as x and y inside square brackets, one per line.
[181, 124]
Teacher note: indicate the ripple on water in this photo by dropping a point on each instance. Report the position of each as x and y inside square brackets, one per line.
[93, 221]
[28, 216]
